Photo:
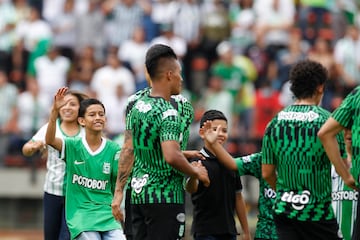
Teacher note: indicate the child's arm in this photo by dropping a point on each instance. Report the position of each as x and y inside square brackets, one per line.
[32, 147]
[241, 214]
[50, 138]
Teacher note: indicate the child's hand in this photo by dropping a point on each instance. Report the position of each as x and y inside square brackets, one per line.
[210, 135]
[59, 98]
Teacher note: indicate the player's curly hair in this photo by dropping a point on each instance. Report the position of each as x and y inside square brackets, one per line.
[305, 77]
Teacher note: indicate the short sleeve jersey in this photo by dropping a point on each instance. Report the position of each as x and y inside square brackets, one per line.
[186, 114]
[348, 115]
[152, 121]
[303, 169]
[91, 183]
[251, 165]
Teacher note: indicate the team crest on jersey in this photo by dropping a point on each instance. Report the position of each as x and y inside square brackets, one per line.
[106, 168]
[137, 183]
[142, 106]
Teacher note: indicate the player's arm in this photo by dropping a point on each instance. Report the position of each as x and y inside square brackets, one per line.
[242, 215]
[174, 156]
[50, 138]
[268, 172]
[192, 183]
[192, 154]
[126, 162]
[327, 135]
[210, 136]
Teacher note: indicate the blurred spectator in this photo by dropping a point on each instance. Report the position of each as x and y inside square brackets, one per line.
[7, 34]
[33, 29]
[163, 11]
[347, 57]
[215, 27]
[311, 18]
[242, 25]
[148, 23]
[267, 105]
[133, 52]
[122, 18]
[167, 37]
[107, 78]
[32, 113]
[90, 30]
[64, 30]
[233, 76]
[217, 98]
[8, 113]
[273, 23]
[51, 72]
[115, 124]
[285, 58]
[322, 53]
[83, 69]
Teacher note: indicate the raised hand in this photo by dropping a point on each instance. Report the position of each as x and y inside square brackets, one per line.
[210, 135]
[59, 98]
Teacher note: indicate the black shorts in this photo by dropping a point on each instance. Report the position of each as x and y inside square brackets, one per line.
[158, 221]
[302, 230]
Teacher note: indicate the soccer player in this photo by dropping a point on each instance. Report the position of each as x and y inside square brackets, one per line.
[215, 205]
[153, 130]
[295, 163]
[344, 199]
[186, 113]
[347, 115]
[91, 167]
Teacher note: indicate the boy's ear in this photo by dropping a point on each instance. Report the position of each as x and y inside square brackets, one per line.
[81, 121]
[201, 133]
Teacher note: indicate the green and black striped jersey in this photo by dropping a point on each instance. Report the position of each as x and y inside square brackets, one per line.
[265, 227]
[303, 169]
[153, 120]
[348, 115]
[180, 103]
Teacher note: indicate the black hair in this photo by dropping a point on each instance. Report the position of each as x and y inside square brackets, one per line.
[212, 115]
[305, 77]
[84, 104]
[153, 56]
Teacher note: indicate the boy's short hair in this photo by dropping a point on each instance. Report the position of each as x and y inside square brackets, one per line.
[212, 115]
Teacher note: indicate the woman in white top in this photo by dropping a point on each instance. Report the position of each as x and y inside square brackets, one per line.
[54, 188]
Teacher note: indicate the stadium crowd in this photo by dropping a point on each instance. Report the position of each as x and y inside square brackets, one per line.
[235, 56]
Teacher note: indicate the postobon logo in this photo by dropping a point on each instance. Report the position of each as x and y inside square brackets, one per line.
[138, 183]
[298, 200]
[345, 195]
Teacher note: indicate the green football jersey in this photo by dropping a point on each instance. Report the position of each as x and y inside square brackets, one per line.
[344, 201]
[152, 121]
[348, 115]
[303, 169]
[186, 114]
[90, 185]
[180, 103]
[251, 165]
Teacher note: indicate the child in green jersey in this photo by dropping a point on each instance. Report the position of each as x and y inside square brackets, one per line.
[91, 168]
[215, 205]
[67, 126]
